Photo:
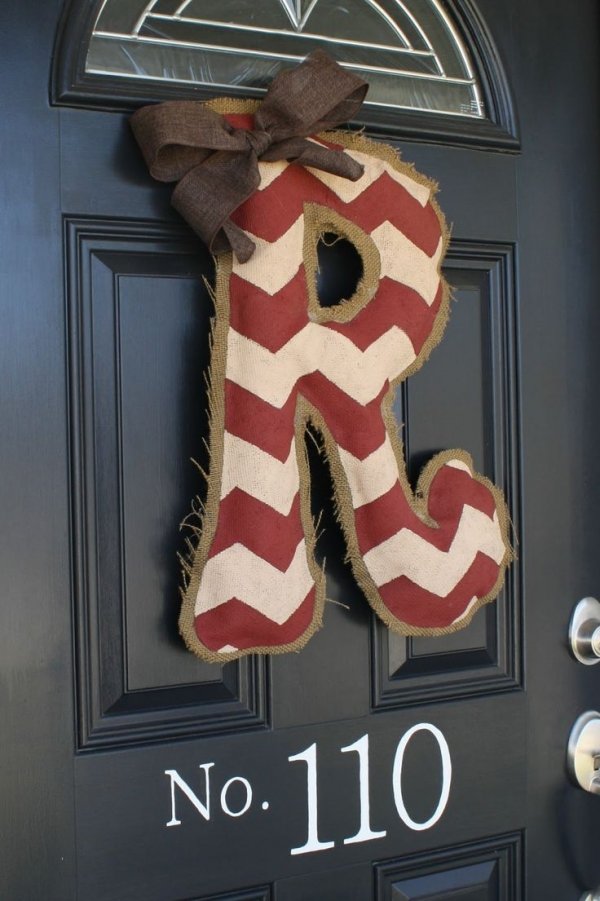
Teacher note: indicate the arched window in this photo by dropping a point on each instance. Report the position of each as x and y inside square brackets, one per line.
[427, 57]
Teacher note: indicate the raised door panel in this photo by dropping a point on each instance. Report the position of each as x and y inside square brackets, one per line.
[140, 325]
[263, 893]
[139, 334]
[489, 870]
[464, 396]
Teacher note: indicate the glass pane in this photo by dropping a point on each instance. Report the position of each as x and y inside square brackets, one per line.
[409, 51]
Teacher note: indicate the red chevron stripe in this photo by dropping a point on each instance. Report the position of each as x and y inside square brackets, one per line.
[419, 607]
[325, 143]
[394, 304]
[393, 203]
[240, 120]
[249, 417]
[450, 491]
[268, 534]
[379, 520]
[269, 213]
[453, 487]
[357, 428]
[256, 421]
[270, 321]
[237, 624]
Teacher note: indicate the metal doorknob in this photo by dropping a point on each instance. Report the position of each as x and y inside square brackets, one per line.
[584, 631]
[583, 753]
[591, 896]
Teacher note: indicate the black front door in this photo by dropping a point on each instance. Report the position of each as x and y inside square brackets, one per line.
[367, 766]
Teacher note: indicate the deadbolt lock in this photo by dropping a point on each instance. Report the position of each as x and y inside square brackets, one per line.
[583, 753]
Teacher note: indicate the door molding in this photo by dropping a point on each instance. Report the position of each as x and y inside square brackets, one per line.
[116, 704]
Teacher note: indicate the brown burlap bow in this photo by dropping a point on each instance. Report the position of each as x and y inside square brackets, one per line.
[216, 164]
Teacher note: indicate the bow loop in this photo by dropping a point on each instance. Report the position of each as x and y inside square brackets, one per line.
[216, 164]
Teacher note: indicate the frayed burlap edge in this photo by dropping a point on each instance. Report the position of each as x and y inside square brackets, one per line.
[418, 502]
[318, 221]
[204, 528]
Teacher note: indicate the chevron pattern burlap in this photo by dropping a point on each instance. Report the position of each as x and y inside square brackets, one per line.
[426, 561]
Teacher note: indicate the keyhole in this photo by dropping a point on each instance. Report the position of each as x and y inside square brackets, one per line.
[340, 269]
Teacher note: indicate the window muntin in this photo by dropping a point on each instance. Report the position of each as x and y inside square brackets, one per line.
[409, 51]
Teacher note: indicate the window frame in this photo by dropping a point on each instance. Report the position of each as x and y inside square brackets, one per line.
[72, 86]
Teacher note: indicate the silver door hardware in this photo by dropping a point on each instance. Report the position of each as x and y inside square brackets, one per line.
[584, 632]
[583, 752]
[591, 896]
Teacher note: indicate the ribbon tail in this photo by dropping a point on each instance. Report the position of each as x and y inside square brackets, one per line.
[236, 240]
[209, 194]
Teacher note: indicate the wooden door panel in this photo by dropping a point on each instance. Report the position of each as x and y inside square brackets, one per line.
[127, 850]
[302, 691]
[263, 893]
[140, 320]
[465, 396]
[490, 870]
[337, 884]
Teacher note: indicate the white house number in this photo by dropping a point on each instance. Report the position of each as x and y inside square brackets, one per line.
[244, 796]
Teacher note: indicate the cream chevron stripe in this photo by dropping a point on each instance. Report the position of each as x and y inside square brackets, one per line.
[270, 172]
[238, 573]
[372, 477]
[404, 262]
[348, 190]
[259, 474]
[437, 571]
[360, 374]
[458, 464]
[273, 263]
